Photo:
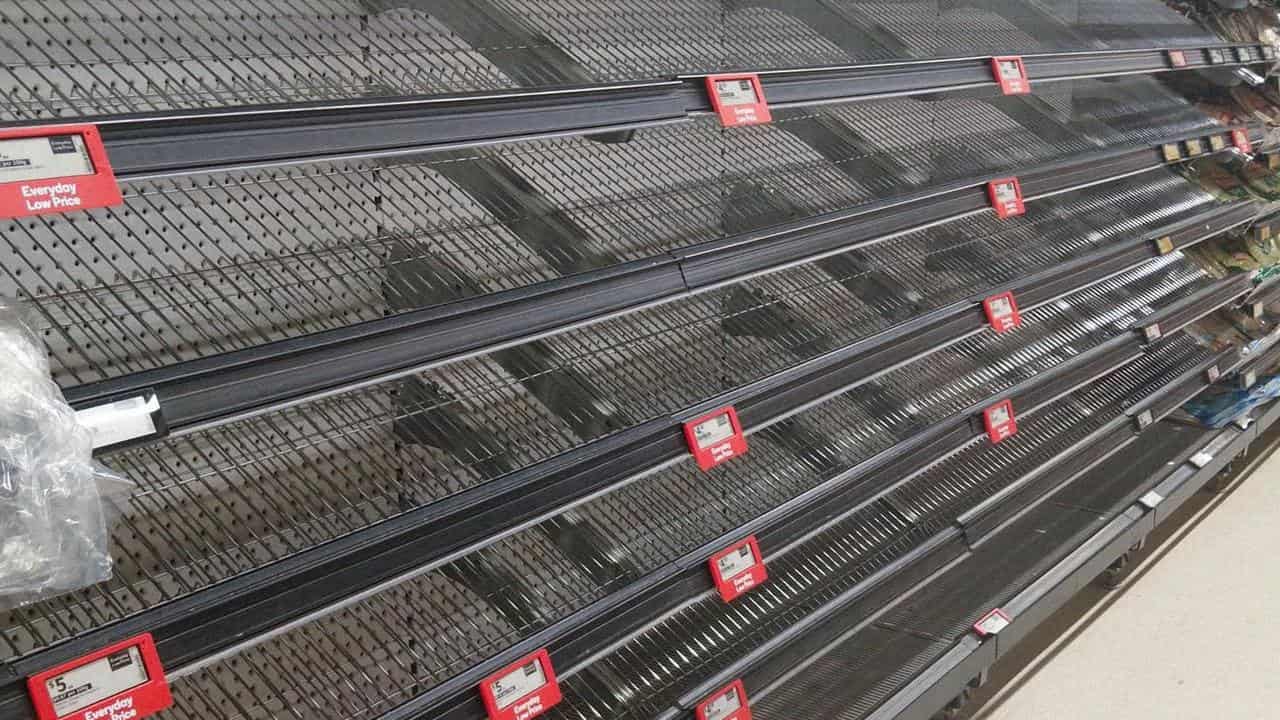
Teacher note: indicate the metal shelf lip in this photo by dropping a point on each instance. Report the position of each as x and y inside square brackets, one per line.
[573, 639]
[255, 380]
[685, 577]
[161, 144]
[799, 87]
[920, 699]
[187, 629]
[760, 667]
[158, 144]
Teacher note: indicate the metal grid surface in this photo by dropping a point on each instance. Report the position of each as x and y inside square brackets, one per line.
[74, 58]
[228, 499]
[493, 597]
[193, 267]
[884, 657]
[647, 673]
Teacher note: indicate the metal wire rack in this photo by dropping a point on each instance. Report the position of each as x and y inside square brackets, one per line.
[515, 586]
[645, 674]
[219, 502]
[916, 632]
[71, 58]
[198, 266]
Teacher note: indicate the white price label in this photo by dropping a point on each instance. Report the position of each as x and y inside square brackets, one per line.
[41, 158]
[993, 623]
[518, 683]
[736, 92]
[1006, 193]
[96, 681]
[714, 431]
[999, 415]
[1009, 70]
[120, 421]
[1000, 306]
[736, 562]
[724, 705]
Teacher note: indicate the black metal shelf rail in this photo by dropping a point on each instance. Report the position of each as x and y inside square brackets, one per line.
[168, 143]
[195, 627]
[761, 669]
[909, 637]
[934, 686]
[575, 639]
[1022, 496]
[250, 381]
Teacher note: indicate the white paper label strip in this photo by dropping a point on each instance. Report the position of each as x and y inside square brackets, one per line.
[120, 421]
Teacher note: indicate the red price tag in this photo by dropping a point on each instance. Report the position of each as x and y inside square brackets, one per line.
[1242, 142]
[1002, 312]
[715, 438]
[1000, 422]
[1006, 197]
[738, 99]
[54, 169]
[1011, 73]
[738, 569]
[728, 703]
[992, 623]
[522, 690]
[1177, 58]
[122, 682]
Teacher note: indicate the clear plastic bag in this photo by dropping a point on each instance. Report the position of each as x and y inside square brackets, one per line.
[53, 530]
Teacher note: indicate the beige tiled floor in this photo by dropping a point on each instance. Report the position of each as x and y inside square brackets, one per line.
[1193, 635]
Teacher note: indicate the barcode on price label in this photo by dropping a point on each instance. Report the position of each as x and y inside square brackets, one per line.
[124, 681]
[729, 703]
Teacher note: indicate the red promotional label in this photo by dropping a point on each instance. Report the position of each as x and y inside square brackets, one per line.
[738, 569]
[54, 169]
[992, 623]
[727, 703]
[522, 690]
[738, 99]
[1002, 312]
[715, 438]
[1242, 142]
[1006, 197]
[1011, 73]
[124, 681]
[1177, 58]
[1000, 421]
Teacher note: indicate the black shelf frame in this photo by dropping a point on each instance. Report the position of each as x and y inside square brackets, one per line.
[190, 630]
[194, 628]
[946, 678]
[160, 144]
[770, 662]
[210, 390]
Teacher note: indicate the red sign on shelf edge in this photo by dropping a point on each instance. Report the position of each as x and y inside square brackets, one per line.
[715, 438]
[738, 569]
[71, 193]
[1242, 142]
[992, 623]
[728, 703]
[1000, 422]
[1177, 58]
[132, 702]
[738, 99]
[1005, 195]
[1011, 73]
[522, 690]
[1002, 312]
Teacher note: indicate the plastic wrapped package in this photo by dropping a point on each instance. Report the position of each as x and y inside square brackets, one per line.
[53, 529]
